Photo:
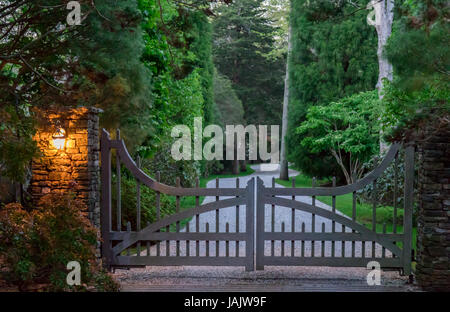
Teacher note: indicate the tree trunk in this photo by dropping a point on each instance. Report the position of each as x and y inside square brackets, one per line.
[235, 167]
[348, 178]
[384, 16]
[284, 170]
[243, 164]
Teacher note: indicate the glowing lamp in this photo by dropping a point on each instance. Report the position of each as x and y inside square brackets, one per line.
[59, 139]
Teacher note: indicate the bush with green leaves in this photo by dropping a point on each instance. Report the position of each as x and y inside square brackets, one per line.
[129, 202]
[418, 51]
[385, 184]
[347, 129]
[333, 56]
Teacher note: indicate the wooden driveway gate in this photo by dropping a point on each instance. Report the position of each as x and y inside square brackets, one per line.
[314, 235]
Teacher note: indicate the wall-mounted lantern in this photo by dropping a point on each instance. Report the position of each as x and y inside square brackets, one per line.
[59, 139]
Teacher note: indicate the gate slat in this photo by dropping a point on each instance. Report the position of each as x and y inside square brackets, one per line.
[272, 242]
[374, 214]
[167, 242]
[323, 242]
[227, 243]
[178, 222]
[148, 244]
[313, 220]
[118, 178]
[363, 249]
[333, 223]
[158, 212]
[303, 242]
[128, 230]
[188, 242]
[394, 221]
[207, 241]
[138, 208]
[293, 222]
[197, 219]
[217, 219]
[237, 220]
[354, 220]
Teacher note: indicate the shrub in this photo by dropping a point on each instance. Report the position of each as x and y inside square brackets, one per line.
[148, 203]
[186, 170]
[385, 185]
[38, 245]
[16, 245]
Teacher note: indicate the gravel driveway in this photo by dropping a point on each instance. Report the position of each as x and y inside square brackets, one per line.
[294, 278]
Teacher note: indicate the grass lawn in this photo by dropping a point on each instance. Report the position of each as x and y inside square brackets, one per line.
[384, 214]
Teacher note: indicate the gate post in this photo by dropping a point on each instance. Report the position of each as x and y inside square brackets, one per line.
[433, 221]
[250, 226]
[260, 211]
[106, 197]
[69, 161]
[408, 208]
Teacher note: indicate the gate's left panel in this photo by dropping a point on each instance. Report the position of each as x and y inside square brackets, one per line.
[146, 222]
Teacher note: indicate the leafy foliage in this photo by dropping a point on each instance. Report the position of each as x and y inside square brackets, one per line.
[385, 183]
[129, 203]
[418, 50]
[37, 246]
[333, 56]
[230, 110]
[348, 129]
[242, 44]
[44, 63]
[16, 129]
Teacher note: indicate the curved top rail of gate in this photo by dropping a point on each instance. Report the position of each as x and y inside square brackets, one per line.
[340, 190]
[140, 175]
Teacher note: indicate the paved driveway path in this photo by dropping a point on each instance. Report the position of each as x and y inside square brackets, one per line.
[276, 278]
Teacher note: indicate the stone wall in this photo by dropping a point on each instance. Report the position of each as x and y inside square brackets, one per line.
[433, 229]
[74, 167]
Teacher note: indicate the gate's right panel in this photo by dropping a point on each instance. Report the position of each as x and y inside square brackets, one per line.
[294, 226]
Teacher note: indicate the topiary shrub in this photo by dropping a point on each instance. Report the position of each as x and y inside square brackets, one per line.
[39, 245]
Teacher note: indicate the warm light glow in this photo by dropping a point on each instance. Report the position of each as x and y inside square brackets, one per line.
[59, 139]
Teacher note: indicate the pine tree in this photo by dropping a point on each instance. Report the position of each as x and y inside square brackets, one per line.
[333, 56]
[418, 50]
[242, 41]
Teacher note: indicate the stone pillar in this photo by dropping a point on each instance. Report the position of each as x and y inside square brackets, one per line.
[75, 166]
[433, 229]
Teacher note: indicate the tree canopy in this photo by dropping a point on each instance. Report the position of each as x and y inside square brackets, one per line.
[243, 40]
[333, 56]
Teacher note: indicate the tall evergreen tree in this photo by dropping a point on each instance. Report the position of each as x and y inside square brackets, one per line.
[45, 62]
[242, 41]
[202, 48]
[418, 51]
[333, 56]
